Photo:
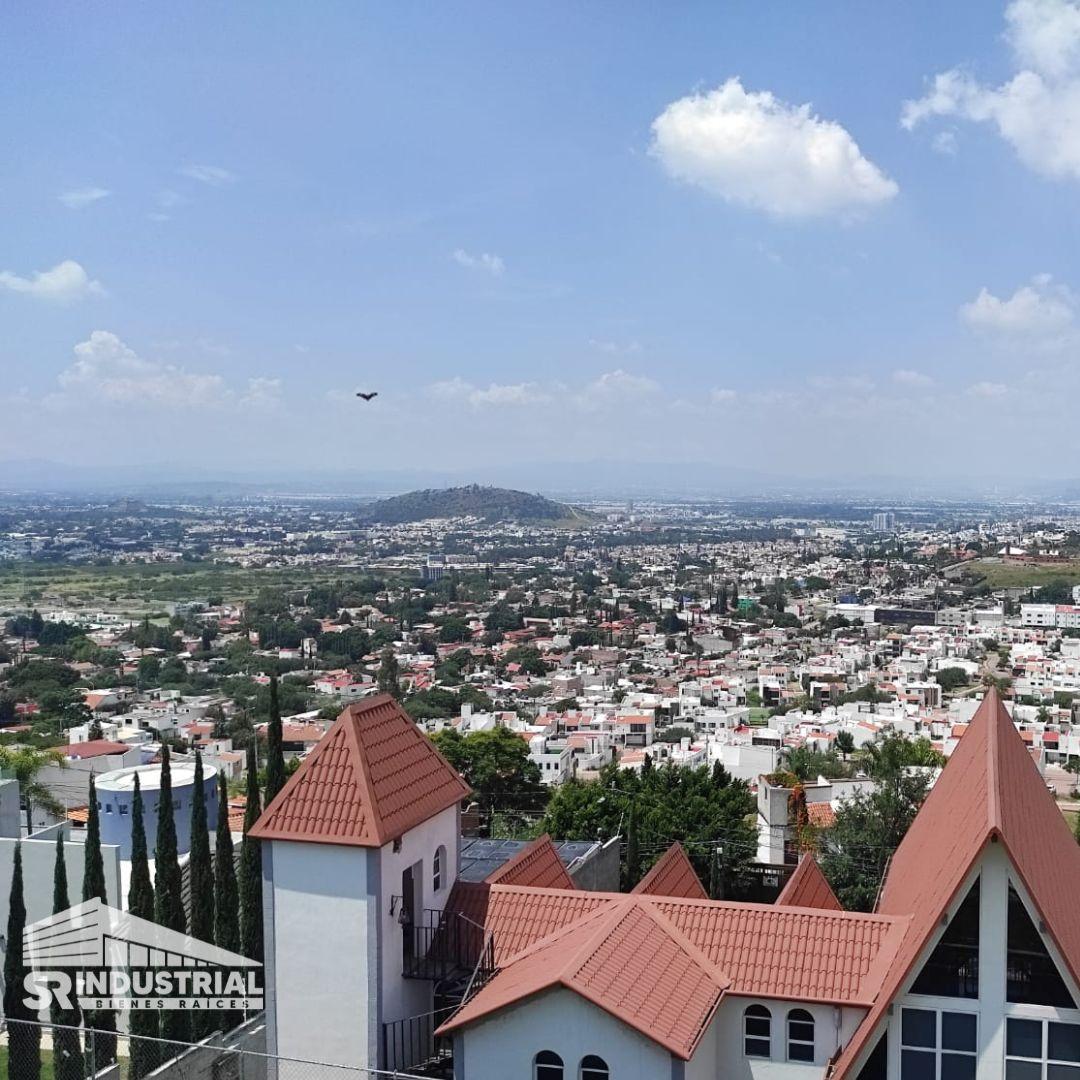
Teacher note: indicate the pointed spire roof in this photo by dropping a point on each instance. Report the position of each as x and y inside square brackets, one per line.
[672, 875]
[373, 776]
[989, 792]
[807, 887]
[537, 866]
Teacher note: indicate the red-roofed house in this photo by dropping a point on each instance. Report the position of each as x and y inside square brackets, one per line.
[967, 970]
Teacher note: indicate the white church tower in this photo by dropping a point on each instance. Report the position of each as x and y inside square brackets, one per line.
[359, 851]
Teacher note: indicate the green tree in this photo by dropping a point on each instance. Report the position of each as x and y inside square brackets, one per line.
[94, 886]
[226, 900]
[694, 806]
[168, 896]
[67, 1051]
[951, 678]
[24, 1039]
[496, 765]
[275, 755]
[202, 888]
[845, 743]
[389, 674]
[869, 826]
[143, 1023]
[632, 861]
[25, 762]
[249, 882]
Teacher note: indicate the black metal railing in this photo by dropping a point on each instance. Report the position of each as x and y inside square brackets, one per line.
[439, 945]
[413, 1045]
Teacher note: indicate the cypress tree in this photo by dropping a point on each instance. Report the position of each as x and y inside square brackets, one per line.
[226, 903]
[142, 1022]
[24, 1039]
[94, 886]
[203, 1023]
[275, 757]
[633, 850]
[168, 900]
[67, 1051]
[250, 879]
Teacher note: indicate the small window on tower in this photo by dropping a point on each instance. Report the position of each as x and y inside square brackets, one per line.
[438, 868]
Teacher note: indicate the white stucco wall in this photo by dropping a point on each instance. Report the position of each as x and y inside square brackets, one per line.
[402, 998]
[318, 944]
[504, 1045]
[721, 1048]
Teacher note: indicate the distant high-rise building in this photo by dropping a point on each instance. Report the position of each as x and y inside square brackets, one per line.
[884, 521]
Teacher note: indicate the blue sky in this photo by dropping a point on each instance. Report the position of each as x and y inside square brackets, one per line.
[555, 232]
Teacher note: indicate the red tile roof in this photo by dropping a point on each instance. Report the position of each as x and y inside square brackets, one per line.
[672, 875]
[989, 791]
[625, 958]
[821, 815]
[372, 777]
[807, 887]
[93, 748]
[537, 865]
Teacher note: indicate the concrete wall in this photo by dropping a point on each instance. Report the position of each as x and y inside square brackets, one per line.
[505, 1044]
[11, 816]
[320, 943]
[723, 1042]
[600, 872]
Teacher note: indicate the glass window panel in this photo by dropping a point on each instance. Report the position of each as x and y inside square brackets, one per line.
[957, 1067]
[917, 1065]
[919, 1028]
[758, 1048]
[1022, 1070]
[803, 1032]
[1063, 1042]
[1062, 1072]
[758, 1025]
[800, 1051]
[958, 1031]
[1023, 1038]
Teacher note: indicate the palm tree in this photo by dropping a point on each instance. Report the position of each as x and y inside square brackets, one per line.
[25, 762]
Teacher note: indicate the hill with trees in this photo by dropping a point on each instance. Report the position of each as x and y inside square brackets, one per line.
[487, 503]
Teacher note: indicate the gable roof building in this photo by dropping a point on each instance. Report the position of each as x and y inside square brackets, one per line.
[967, 970]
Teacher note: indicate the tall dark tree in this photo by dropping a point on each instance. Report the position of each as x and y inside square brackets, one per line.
[226, 901]
[67, 1050]
[275, 757]
[101, 1020]
[144, 1026]
[24, 1038]
[632, 867]
[388, 674]
[250, 879]
[168, 898]
[203, 1023]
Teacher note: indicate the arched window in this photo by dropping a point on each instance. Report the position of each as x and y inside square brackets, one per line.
[547, 1066]
[757, 1031]
[800, 1035]
[438, 867]
[594, 1068]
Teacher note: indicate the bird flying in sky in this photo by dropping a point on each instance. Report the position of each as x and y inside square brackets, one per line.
[367, 397]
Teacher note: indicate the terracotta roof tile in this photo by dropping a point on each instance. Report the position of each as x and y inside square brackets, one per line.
[672, 875]
[807, 887]
[537, 865]
[372, 777]
[821, 815]
[626, 959]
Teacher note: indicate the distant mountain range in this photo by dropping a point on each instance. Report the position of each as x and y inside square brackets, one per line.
[488, 503]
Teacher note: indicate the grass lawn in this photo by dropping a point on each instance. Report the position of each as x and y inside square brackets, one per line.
[46, 1063]
[759, 717]
[1008, 575]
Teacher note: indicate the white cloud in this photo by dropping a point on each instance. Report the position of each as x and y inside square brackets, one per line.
[615, 348]
[988, 390]
[1038, 110]
[720, 395]
[945, 143]
[83, 197]
[619, 385]
[495, 395]
[847, 384]
[1040, 310]
[483, 260]
[213, 175]
[262, 393]
[913, 379]
[66, 281]
[753, 149]
[105, 369]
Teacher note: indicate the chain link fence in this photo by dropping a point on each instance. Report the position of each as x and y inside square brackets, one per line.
[36, 1051]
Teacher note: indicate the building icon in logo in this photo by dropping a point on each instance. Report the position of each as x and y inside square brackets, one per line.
[101, 953]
